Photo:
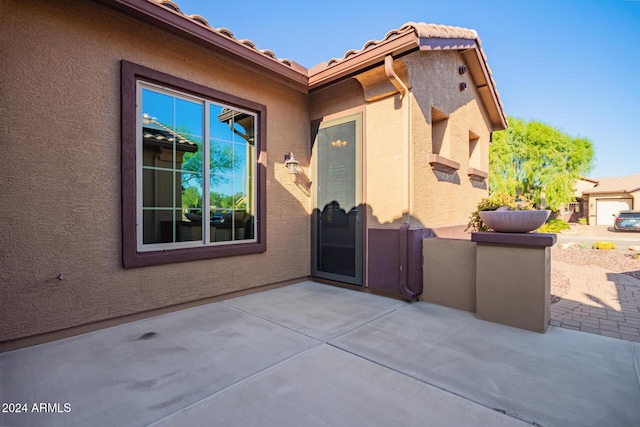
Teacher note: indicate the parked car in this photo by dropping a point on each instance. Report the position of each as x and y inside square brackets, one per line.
[627, 220]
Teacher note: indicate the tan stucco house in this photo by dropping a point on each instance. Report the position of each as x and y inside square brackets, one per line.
[152, 161]
[606, 196]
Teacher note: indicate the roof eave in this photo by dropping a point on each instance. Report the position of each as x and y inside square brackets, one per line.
[294, 76]
[362, 60]
[595, 190]
[484, 84]
[410, 41]
[585, 178]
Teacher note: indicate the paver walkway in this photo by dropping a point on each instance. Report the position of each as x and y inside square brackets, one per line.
[599, 301]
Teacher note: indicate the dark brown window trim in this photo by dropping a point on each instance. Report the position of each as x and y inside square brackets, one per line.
[130, 74]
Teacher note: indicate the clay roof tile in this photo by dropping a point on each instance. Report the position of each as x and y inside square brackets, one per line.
[222, 31]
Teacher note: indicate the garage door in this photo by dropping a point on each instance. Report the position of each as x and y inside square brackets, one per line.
[607, 208]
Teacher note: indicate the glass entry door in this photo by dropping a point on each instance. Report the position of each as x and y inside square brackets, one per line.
[337, 217]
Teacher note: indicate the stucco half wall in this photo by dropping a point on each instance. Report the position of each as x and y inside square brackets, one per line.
[61, 252]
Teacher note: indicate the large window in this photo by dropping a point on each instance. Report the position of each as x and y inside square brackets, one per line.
[194, 187]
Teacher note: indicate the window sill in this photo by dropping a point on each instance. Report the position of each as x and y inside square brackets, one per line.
[477, 174]
[443, 164]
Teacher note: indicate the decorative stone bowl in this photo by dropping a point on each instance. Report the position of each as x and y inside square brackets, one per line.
[514, 221]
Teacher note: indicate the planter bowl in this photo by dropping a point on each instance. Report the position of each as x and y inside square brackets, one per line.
[514, 221]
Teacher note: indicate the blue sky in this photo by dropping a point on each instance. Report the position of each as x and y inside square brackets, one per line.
[573, 64]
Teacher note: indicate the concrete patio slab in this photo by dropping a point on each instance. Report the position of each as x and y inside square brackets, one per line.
[319, 311]
[328, 387]
[140, 372]
[563, 378]
[253, 361]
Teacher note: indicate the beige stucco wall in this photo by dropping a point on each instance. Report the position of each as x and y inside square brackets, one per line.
[513, 285]
[582, 185]
[60, 176]
[449, 273]
[439, 199]
[386, 163]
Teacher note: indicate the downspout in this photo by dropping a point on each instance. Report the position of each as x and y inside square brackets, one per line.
[406, 152]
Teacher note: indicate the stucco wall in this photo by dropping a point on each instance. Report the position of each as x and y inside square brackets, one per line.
[582, 185]
[438, 198]
[60, 176]
[386, 163]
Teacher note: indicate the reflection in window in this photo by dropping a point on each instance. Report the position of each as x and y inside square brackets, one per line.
[196, 165]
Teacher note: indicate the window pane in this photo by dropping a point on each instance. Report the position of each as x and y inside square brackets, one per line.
[221, 159]
[221, 123]
[157, 106]
[188, 231]
[239, 193]
[172, 133]
[158, 226]
[157, 188]
[240, 158]
[221, 197]
[189, 119]
[192, 208]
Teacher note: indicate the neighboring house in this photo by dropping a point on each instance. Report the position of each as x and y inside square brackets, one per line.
[144, 161]
[610, 195]
[580, 208]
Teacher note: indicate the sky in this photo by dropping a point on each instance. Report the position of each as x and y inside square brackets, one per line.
[573, 64]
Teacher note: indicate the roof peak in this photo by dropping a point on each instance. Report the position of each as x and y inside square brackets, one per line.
[420, 29]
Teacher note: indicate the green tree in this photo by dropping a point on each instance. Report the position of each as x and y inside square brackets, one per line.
[191, 198]
[221, 163]
[535, 159]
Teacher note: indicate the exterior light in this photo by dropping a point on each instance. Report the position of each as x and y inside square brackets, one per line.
[463, 87]
[462, 69]
[291, 163]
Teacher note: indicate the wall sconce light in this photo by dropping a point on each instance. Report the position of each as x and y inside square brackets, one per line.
[291, 163]
[462, 69]
[463, 87]
[338, 143]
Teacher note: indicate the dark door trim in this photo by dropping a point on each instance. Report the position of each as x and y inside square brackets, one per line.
[350, 216]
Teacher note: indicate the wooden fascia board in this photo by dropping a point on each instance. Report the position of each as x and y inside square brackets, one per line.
[363, 60]
[177, 24]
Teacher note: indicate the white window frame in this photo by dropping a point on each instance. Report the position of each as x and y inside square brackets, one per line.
[206, 238]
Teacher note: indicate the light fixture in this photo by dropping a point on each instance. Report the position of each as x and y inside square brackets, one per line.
[338, 143]
[291, 163]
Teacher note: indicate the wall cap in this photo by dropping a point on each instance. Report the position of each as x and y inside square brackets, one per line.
[515, 239]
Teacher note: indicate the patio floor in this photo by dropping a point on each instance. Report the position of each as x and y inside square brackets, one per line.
[317, 355]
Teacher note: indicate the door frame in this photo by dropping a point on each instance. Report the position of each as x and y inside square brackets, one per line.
[327, 121]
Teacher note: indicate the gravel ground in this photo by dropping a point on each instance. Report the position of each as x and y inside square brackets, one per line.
[617, 261]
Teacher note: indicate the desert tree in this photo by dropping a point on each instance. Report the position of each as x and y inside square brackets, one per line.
[538, 161]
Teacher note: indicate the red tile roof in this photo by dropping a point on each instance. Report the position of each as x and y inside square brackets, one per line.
[410, 37]
[222, 31]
